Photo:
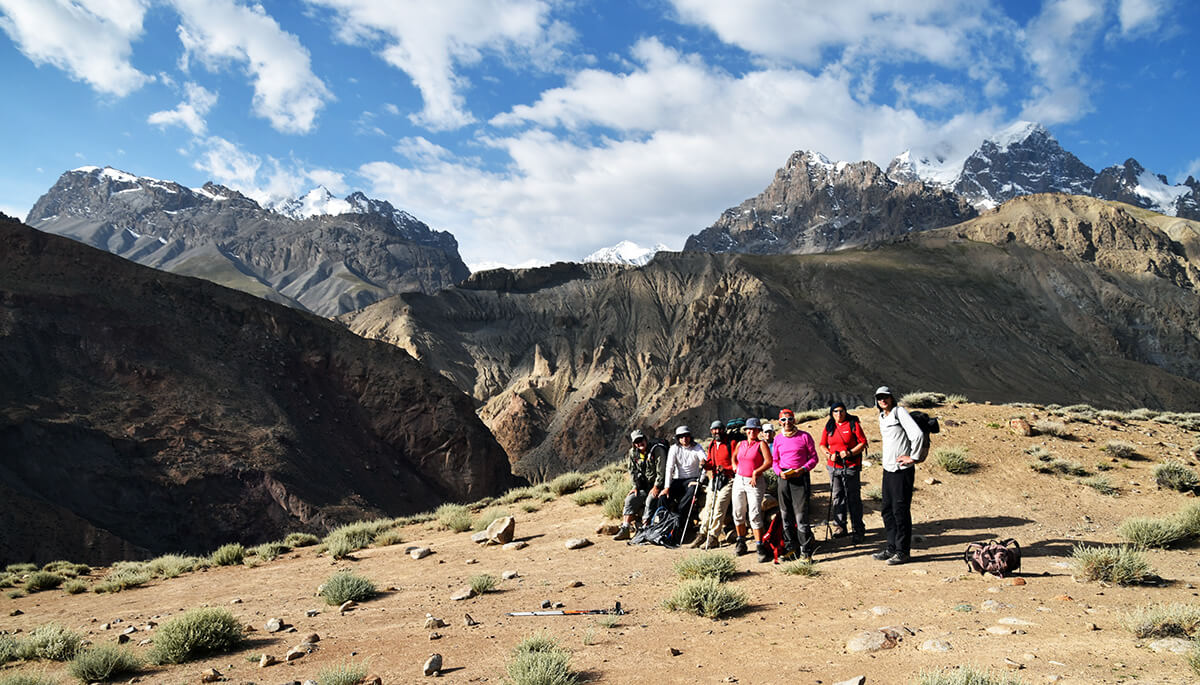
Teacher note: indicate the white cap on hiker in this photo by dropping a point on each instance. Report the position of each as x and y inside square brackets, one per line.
[636, 435]
[682, 430]
[883, 391]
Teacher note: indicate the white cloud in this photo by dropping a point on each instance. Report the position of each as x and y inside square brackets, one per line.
[932, 93]
[1141, 16]
[684, 142]
[1193, 170]
[800, 31]
[262, 180]
[286, 91]
[228, 164]
[189, 113]
[429, 40]
[91, 40]
[334, 181]
[1056, 42]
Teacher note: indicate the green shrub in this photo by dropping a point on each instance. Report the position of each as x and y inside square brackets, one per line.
[811, 414]
[7, 580]
[482, 583]
[9, 649]
[1101, 484]
[487, 516]
[1119, 449]
[956, 399]
[706, 597]
[1145, 531]
[517, 494]
[343, 540]
[42, 580]
[170, 565]
[1193, 657]
[122, 578]
[567, 483]
[413, 519]
[529, 507]
[455, 517]
[1080, 412]
[1102, 466]
[195, 633]
[105, 662]
[954, 460]
[1173, 474]
[540, 660]
[1164, 620]
[342, 674]
[75, 586]
[1142, 414]
[1055, 429]
[21, 568]
[1122, 565]
[593, 496]
[1040, 453]
[1110, 415]
[923, 400]
[1059, 466]
[966, 675]
[16, 594]
[50, 641]
[269, 551]
[1186, 421]
[301, 540]
[67, 568]
[28, 679]
[873, 493]
[608, 621]
[229, 555]
[706, 565]
[347, 585]
[801, 567]
[388, 538]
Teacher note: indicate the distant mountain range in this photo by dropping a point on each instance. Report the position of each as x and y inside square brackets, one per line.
[817, 205]
[625, 252]
[317, 252]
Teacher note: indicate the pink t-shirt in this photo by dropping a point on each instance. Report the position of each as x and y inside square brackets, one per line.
[749, 457]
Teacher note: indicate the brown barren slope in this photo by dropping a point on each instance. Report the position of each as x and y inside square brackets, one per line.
[795, 628]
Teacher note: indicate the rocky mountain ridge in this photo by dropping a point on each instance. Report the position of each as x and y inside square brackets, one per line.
[816, 205]
[145, 412]
[1048, 298]
[297, 252]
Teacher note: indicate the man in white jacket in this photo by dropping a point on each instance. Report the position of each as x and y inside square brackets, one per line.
[683, 470]
[903, 446]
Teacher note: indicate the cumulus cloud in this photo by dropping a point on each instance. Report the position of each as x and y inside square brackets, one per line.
[190, 113]
[1056, 42]
[286, 91]
[334, 181]
[429, 41]
[228, 164]
[1141, 16]
[261, 179]
[666, 165]
[91, 40]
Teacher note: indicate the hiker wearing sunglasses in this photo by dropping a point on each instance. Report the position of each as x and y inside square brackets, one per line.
[795, 455]
[718, 461]
[750, 461]
[682, 472]
[647, 464]
[844, 443]
[903, 444]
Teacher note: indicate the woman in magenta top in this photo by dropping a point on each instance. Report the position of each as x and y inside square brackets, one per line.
[795, 456]
[749, 462]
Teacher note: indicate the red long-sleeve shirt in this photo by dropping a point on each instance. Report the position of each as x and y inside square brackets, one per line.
[845, 437]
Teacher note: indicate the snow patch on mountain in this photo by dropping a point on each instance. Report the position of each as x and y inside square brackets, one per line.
[316, 202]
[628, 252]
[1163, 198]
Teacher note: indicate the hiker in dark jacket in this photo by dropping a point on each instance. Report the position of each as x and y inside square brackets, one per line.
[646, 469]
[844, 443]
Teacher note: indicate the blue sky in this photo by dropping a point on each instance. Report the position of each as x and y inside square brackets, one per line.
[537, 130]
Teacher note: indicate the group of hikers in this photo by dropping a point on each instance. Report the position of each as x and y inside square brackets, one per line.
[727, 476]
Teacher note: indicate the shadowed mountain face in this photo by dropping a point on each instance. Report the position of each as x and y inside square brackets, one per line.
[146, 412]
[325, 263]
[1049, 298]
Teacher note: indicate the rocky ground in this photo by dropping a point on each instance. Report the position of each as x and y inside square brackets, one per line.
[1043, 624]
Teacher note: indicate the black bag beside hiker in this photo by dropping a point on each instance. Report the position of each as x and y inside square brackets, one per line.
[663, 529]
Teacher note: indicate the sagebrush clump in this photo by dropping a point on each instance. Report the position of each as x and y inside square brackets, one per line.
[50, 641]
[1120, 449]
[1173, 619]
[455, 517]
[347, 585]
[923, 400]
[567, 483]
[104, 662]
[540, 660]
[707, 597]
[967, 675]
[229, 555]
[1122, 565]
[42, 580]
[706, 565]
[1173, 474]
[954, 460]
[342, 674]
[195, 633]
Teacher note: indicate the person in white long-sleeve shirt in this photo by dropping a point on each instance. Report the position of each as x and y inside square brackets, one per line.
[683, 469]
[903, 447]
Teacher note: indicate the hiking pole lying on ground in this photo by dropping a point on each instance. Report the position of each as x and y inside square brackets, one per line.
[615, 611]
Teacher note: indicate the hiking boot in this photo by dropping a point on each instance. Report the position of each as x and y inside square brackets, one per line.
[883, 555]
[740, 548]
[897, 559]
[839, 531]
[764, 553]
[698, 542]
[713, 542]
[857, 537]
[623, 534]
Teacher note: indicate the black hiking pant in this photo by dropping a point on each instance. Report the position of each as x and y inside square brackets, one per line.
[794, 494]
[845, 497]
[897, 509]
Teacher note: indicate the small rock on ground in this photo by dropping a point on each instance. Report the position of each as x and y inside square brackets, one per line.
[480, 537]
[432, 665]
[870, 641]
[433, 622]
[419, 552]
[464, 593]
[935, 646]
[1175, 645]
[210, 675]
[1010, 621]
[1000, 630]
[274, 625]
[267, 660]
[856, 680]
[578, 543]
[508, 575]
[519, 544]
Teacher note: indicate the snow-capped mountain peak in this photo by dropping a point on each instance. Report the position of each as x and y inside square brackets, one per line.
[316, 202]
[626, 252]
[1018, 132]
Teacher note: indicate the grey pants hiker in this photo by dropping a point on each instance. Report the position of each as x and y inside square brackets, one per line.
[845, 497]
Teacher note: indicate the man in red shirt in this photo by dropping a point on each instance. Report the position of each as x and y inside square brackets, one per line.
[844, 444]
[718, 462]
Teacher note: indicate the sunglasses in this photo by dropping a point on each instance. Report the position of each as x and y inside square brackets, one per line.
[786, 419]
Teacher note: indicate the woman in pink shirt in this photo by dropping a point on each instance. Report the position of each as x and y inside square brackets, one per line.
[795, 456]
[751, 459]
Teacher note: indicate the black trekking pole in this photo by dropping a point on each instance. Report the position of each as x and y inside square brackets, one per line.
[691, 507]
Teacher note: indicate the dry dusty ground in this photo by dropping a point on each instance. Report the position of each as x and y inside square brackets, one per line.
[795, 628]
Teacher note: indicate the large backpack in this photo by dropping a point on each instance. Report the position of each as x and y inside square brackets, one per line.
[998, 557]
[928, 425]
[663, 530]
[773, 538]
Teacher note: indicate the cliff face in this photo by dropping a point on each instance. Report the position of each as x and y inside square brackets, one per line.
[1049, 298]
[146, 411]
